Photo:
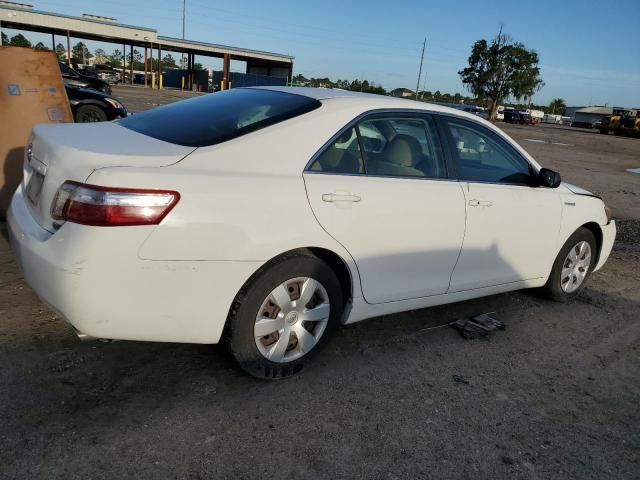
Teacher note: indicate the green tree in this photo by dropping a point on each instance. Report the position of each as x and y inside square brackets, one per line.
[501, 68]
[41, 46]
[198, 66]
[4, 39]
[168, 61]
[138, 64]
[80, 53]
[61, 53]
[137, 56]
[557, 106]
[19, 40]
[115, 59]
[100, 56]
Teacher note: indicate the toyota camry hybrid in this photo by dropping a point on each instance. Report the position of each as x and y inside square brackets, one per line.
[268, 217]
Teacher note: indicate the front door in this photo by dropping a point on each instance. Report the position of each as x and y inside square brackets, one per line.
[381, 190]
[512, 226]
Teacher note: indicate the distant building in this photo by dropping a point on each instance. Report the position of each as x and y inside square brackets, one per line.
[586, 117]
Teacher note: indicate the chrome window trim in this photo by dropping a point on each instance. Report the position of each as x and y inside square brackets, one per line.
[402, 177]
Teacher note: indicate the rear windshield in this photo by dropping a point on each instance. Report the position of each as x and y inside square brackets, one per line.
[218, 117]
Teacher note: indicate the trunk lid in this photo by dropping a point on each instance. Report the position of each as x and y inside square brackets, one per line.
[58, 153]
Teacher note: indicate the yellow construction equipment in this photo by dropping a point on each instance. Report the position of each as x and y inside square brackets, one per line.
[622, 122]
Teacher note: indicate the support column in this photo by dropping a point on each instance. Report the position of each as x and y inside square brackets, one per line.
[159, 66]
[53, 42]
[290, 73]
[0, 33]
[226, 65]
[124, 61]
[153, 83]
[68, 49]
[131, 66]
[145, 65]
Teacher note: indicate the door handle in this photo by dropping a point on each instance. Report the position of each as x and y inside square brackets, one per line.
[480, 203]
[340, 197]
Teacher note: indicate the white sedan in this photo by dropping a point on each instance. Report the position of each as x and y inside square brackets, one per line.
[267, 217]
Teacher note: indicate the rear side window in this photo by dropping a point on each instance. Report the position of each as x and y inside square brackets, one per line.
[411, 148]
[218, 117]
[342, 156]
[391, 146]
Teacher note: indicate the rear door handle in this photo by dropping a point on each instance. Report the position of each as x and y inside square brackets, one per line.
[480, 203]
[340, 197]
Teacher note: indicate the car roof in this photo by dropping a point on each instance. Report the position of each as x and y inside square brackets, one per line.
[370, 100]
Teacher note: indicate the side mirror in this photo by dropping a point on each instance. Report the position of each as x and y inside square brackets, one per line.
[548, 178]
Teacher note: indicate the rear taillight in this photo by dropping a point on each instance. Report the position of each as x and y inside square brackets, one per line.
[111, 207]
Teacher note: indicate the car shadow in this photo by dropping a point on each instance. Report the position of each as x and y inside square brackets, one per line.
[3, 230]
[98, 385]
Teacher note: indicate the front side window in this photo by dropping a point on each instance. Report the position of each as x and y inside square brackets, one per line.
[402, 146]
[485, 158]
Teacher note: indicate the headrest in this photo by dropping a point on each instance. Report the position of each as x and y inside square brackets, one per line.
[404, 150]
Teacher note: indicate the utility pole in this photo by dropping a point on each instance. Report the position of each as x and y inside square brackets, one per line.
[424, 44]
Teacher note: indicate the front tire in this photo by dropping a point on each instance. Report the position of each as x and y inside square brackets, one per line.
[284, 316]
[572, 267]
[90, 113]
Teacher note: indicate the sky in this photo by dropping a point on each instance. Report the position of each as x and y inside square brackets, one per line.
[588, 49]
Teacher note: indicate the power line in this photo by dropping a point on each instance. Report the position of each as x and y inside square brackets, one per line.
[184, 15]
[424, 44]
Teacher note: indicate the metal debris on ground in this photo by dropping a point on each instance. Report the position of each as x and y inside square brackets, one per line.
[478, 326]
[460, 379]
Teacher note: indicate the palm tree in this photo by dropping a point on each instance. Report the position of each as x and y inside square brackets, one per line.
[558, 105]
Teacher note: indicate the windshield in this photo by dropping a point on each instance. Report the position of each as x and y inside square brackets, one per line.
[217, 117]
[66, 70]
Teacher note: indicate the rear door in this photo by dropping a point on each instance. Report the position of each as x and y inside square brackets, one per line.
[381, 189]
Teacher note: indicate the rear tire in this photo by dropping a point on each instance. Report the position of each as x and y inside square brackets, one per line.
[90, 113]
[270, 332]
[572, 267]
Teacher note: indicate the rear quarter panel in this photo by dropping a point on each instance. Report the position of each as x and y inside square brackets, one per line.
[241, 201]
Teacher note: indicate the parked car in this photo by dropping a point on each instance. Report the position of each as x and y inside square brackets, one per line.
[139, 78]
[109, 75]
[289, 212]
[103, 72]
[516, 117]
[73, 77]
[92, 106]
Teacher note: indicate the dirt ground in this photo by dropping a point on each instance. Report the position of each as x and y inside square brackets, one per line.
[555, 396]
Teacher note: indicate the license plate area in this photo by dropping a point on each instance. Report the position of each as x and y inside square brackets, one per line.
[34, 174]
[34, 187]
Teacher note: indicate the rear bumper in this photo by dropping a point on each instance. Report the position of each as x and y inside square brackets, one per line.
[608, 237]
[93, 278]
